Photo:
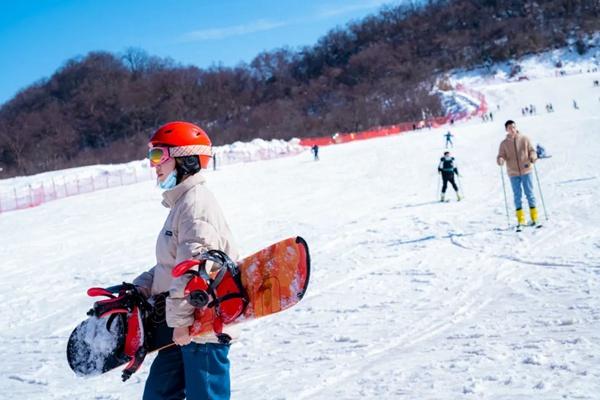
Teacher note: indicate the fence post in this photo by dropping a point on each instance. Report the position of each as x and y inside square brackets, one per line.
[66, 185]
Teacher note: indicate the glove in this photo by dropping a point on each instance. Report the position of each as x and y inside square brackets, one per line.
[144, 291]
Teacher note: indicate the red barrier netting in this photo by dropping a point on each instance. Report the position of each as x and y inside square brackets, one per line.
[403, 126]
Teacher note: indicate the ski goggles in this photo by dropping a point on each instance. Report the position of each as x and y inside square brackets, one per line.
[158, 156]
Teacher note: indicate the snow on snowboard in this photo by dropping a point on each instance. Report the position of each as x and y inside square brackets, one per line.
[124, 327]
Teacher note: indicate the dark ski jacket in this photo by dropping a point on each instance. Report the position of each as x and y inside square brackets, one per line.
[447, 165]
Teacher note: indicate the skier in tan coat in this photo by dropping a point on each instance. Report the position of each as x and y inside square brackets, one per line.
[198, 368]
[517, 152]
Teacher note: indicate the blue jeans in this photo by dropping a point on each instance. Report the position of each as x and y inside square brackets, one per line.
[520, 184]
[194, 372]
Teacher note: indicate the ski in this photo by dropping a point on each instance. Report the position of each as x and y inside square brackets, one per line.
[519, 228]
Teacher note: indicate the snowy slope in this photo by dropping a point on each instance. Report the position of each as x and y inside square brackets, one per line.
[409, 298]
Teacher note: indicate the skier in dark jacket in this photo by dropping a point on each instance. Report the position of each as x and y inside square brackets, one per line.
[447, 169]
[315, 151]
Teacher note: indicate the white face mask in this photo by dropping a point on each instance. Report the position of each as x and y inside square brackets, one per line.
[170, 182]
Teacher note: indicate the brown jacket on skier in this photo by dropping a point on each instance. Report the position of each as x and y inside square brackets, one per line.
[518, 153]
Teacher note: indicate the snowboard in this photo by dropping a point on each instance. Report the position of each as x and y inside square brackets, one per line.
[121, 332]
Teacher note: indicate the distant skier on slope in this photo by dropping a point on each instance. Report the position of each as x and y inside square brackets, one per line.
[447, 169]
[519, 155]
[315, 151]
[449, 137]
[198, 367]
[541, 151]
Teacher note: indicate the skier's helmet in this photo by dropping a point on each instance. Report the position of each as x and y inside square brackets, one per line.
[187, 142]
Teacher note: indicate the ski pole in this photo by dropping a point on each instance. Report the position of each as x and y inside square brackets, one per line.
[460, 186]
[437, 191]
[537, 178]
[505, 200]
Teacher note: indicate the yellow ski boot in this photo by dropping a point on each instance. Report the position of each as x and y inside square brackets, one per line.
[520, 219]
[533, 214]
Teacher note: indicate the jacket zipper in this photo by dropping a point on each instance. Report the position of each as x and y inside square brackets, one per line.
[517, 156]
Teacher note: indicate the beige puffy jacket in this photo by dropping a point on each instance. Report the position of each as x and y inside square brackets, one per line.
[195, 223]
[518, 153]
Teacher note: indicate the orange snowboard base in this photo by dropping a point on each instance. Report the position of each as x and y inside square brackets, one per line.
[274, 279]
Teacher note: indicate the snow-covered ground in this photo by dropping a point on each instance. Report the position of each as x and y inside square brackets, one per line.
[559, 62]
[409, 298]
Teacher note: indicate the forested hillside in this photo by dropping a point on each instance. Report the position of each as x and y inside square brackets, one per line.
[102, 107]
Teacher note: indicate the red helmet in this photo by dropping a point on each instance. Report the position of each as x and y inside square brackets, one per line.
[185, 139]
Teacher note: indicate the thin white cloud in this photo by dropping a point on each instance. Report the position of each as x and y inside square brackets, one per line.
[330, 11]
[236, 30]
[262, 25]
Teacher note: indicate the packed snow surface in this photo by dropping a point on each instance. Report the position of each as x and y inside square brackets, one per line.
[409, 298]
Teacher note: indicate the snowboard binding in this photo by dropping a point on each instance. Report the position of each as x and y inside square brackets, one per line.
[221, 294]
[131, 307]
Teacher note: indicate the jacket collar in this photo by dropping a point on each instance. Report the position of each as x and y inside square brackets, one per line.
[171, 196]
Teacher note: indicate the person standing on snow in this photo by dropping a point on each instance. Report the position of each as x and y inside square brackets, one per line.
[198, 367]
[517, 152]
[449, 139]
[447, 169]
[315, 151]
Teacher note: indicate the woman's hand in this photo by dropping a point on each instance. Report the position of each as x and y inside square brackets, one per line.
[181, 336]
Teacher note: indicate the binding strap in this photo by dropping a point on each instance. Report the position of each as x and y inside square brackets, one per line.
[224, 289]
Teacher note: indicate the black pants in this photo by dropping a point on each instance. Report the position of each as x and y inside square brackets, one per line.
[448, 177]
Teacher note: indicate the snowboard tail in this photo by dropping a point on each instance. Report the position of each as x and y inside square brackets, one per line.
[121, 329]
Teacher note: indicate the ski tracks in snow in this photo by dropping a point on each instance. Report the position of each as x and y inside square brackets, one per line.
[403, 320]
[494, 273]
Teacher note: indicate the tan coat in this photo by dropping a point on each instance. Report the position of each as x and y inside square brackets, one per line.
[518, 153]
[195, 224]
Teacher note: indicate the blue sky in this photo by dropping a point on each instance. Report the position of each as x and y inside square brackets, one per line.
[37, 37]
